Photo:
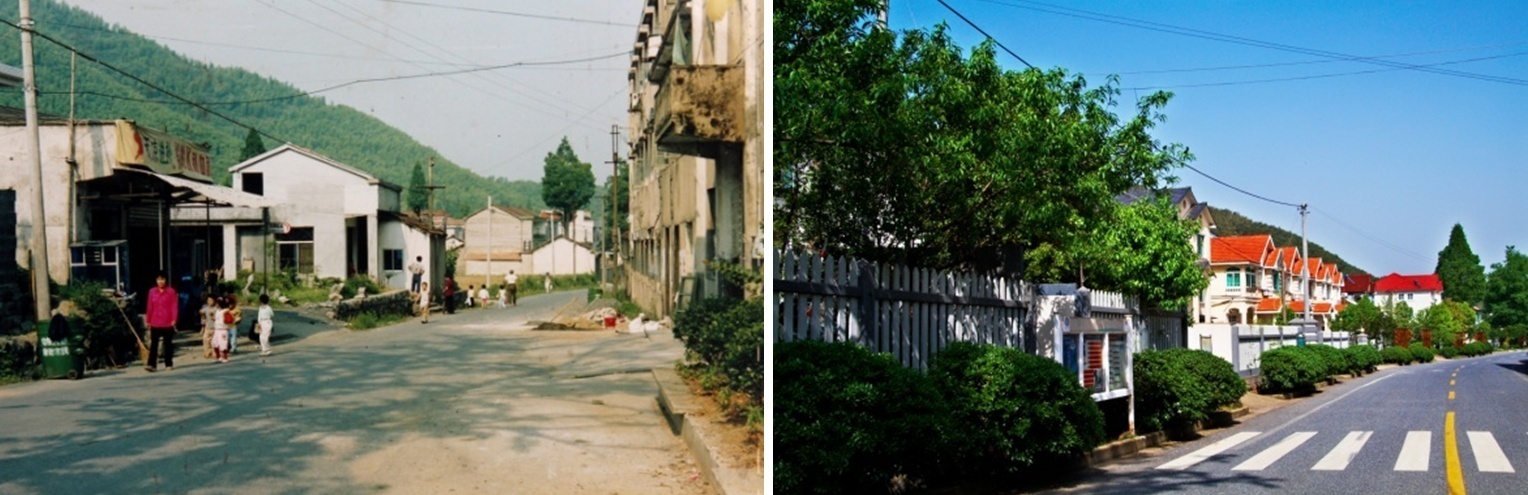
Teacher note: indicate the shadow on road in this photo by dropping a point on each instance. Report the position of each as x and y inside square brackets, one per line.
[312, 409]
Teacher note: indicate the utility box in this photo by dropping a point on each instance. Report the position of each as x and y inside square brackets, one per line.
[100, 261]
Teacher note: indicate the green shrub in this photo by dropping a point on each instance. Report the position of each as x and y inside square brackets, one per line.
[726, 336]
[368, 320]
[1448, 352]
[107, 334]
[1421, 353]
[1014, 411]
[1396, 355]
[1477, 349]
[1177, 388]
[1365, 357]
[1336, 361]
[17, 359]
[848, 420]
[357, 282]
[1291, 368]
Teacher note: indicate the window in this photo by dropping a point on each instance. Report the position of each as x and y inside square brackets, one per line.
[1277, 286]
[392, 259]
[1251, 279]
[294, 250]
[1199, 244]
[1233, 278]
[254, 183]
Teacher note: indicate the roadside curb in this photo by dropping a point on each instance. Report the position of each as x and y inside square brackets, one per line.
[677, 404]
[1123, 448]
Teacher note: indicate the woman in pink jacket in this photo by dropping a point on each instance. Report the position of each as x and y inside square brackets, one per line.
[161, 314]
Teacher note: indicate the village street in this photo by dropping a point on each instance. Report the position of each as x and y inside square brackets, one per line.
[469, 403]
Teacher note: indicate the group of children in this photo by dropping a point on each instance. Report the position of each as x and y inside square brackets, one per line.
[220, 325]
[479, 296]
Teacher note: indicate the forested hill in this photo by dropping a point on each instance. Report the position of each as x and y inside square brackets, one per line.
[1229, 223]
[337, 131]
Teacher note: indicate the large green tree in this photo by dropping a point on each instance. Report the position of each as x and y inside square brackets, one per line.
[419, 190]
[1139, 249]
[1464, 279]
[1447, 320]
[902, 147]
[567, 184]
[1363, 316]
[1506, 298]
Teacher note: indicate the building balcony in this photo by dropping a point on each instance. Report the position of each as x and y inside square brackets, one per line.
[699, 109]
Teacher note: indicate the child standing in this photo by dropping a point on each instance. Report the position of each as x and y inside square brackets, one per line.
[470, 293]
[237, 316]
[220, 331]
[483, 296]
[424, 301]
[264, 320]
[209, 322]
[503, 297]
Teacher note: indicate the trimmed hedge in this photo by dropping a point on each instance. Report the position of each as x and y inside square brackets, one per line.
[1336, 360]
[1014, 411]
[1448, 352]
[1365, 358]
[726, 337]
[1477, 349]
[1397, 355]
[1291, 368]
[1421, 353]
[848, 420]
[1177, 388]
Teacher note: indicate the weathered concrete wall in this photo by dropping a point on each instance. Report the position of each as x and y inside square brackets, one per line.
[396, 302]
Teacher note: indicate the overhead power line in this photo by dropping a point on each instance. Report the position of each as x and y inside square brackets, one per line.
[142, 81]
[344, 84]
[984, 33]
[514, 14]
[1322, 76]
[1373, 238]
[1226, 38]
[1240, 190]
[1304, 62]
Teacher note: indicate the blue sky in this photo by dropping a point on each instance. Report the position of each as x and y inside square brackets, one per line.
[1398, 156]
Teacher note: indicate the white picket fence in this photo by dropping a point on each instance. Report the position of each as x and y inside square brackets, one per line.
[908, 312]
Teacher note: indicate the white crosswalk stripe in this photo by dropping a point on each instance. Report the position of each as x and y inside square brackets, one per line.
[1488, 455]
[1272, 454]
[1343, 453]
[1415, 452]
[1213, 449]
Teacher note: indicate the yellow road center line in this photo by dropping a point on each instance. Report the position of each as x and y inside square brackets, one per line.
[1451, 395]
[1451, 456]
[1450, 383]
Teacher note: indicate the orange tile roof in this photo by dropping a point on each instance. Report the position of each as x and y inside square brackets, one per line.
[1272, 259]
[1322, 307]
[1315, 268]
[1291, 259]
[1269, 305]
[1239, 249]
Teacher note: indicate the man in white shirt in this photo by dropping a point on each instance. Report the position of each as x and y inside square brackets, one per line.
[417, 270]
[511, 282]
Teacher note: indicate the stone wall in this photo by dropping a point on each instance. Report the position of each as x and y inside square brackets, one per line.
[397, 302]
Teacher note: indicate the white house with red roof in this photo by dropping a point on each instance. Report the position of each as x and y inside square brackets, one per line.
[1418, 291]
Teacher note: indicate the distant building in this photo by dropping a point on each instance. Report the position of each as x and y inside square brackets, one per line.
[697, 155]
[496, 241]
[1189, 208]
[1419, 292]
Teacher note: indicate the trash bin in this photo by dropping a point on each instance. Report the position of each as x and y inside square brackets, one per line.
[1300, 340]
[63, 349]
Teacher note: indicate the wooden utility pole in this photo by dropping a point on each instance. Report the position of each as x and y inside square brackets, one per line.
[612, 235]
[41, 297]
[488, 253]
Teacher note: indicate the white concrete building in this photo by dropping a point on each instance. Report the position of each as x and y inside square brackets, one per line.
[562, 256]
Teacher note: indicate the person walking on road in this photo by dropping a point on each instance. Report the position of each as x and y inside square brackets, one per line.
[222, 320]
[424, 302]
[511, 282]
[470, 293]
[208, 312]
[482, 296]
[264, 321]
[548, 281]
[503, 297]
[448, 295]
[416, 269]
[160, 315]
[237, 316]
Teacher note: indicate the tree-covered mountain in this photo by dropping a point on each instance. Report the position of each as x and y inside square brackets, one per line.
[337, 131]
[1229, 223]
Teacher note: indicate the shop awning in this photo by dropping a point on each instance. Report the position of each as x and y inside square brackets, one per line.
[190, 191]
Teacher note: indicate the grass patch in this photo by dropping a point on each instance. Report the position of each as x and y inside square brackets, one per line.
[536, 284]
[8, 379]
[625, 305]
[306, 295]
[368, 320]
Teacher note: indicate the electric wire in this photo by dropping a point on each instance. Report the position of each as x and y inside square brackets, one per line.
[984, 33]
[1372, 238]
[1303, 62]
[1322, 76]
[141, 80]
[508, 13]
[1225, 38]
[1238, 189]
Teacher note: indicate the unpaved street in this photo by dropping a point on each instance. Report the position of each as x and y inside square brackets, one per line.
[469, 403]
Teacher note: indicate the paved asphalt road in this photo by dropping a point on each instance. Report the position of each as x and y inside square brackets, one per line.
[470, 403]
[1381, 434]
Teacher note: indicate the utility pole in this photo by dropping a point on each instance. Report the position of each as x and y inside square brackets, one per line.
[488, 254]
[41, 298]
[613, 244]
[1305, 258]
